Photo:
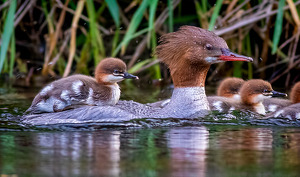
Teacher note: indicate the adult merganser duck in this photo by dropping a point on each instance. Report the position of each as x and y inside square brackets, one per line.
[253, 93]
[293, 111]
[189, 52]
[78, 90]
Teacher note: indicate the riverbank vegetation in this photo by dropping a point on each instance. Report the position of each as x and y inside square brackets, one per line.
[61, 37]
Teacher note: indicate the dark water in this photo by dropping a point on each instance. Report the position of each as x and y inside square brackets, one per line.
[149, 147]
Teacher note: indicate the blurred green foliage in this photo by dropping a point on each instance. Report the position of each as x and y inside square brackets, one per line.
[54, 34]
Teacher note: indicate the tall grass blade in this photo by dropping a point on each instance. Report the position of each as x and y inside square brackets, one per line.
[215, 14]
[278, 26]
[7, 32]
[79, 8]
[114, 10]
[198, 10]
[170, 15]
[204, 6]
[12, 55]
[96, 39]
[115, 42]
[129, 38]
[85, 55]
[153, 5]
[135, 22]
[237, 69]
[139, 65]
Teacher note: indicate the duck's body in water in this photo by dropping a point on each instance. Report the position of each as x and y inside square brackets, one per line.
[188, 53]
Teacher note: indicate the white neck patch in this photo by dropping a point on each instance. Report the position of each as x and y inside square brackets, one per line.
[195, 97]
[236, 97]
[115, 94]
[260, 108]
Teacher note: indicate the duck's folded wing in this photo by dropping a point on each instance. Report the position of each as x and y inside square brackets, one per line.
[85, 114]
[291, 112]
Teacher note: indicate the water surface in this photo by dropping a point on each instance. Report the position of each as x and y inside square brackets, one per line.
[146, 147]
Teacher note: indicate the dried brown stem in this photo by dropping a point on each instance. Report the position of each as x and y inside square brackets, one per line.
[158, 23]
[123, 17]
[80, 6]
[245, 22]
[53, 40]
[231, 12]
[4, 5]
[105, 31]
[20, 17]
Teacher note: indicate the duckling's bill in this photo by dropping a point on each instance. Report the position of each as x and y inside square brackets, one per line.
[130, 76]
[278, 94]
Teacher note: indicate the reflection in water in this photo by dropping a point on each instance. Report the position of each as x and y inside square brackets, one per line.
[188, 146]
[184, 151]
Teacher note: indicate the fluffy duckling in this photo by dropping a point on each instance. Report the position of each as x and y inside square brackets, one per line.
[293, 111]
[230, 88]
[253, 93]
[77, 90]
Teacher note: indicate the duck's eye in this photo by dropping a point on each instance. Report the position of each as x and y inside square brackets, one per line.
[117, 72]
[266, 91]
[209, 47]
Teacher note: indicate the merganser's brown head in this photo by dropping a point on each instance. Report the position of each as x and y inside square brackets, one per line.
[190, 51]
[230, 87]
[111, 70]
[295, 93]
[256, 90]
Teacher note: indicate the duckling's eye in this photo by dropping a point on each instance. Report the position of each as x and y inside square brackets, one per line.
[117, 72]
[209, 47]
[266, 91]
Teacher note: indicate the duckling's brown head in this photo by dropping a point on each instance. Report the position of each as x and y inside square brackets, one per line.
[190, 51]
[256, 90]
[230, 87]
[111, 70]
[295, 93]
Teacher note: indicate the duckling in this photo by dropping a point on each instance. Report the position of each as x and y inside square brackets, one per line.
[292, 111]
[253, 93]
[230, 88]
[78, 90]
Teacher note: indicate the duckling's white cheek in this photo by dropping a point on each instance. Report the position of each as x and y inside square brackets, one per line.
[46, 89]
[111, 78]
[260, 98]
[76, 87]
